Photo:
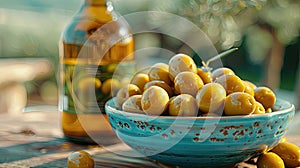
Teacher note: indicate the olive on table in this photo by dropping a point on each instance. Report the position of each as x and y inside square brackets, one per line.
[160, 71]
[269, 160]
[289, 153]
[265, 96]
[183, 105]
[187, 83]
[140, 80]
[80, 159]
[154, 100]
[125, 92]
[239, 103]
[231, 83]
[205, 74]
[211, 98]
[133, 104]
[161, 84]
[180, 63]
[220, 72]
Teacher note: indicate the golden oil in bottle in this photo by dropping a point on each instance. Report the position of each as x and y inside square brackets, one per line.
[92, 46]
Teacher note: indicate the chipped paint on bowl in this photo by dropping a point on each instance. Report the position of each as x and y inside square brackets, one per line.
[206, 141]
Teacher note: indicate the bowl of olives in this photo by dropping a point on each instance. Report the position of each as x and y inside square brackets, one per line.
[181, 114]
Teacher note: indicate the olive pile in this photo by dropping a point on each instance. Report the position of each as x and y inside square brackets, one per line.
[179, 88]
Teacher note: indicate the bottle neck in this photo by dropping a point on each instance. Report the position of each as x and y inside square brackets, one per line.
[95, 2]
[104, 3]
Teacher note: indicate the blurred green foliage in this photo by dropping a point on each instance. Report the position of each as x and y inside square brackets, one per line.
[249, 24]
[32, 28]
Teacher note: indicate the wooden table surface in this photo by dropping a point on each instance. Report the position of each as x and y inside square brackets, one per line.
[35, 139]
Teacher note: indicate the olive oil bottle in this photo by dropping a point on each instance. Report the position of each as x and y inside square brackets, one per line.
[93, 45]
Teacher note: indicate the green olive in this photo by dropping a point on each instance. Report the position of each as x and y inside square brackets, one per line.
[183, 105]
[180, 63]
[111, 68]
[110, 86]
[211, 98]
[249, 87]
[87, 83]
[161, 84]
[270, 160]
[125, 92]
[133, 104]
[85, 89]
[205, 75]
[289, 153]
[80, 159]
[140, 80]
[265, 96]
[239, 103]
[220, 72]
[259, 108]
[187, 83]
[160, 71]
[231, 83]
[155, 100]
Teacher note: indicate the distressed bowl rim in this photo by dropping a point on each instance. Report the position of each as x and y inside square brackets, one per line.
[287, 108]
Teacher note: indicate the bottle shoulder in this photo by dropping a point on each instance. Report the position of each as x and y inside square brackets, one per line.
[95, 23]
[79, 32]
[84, 23]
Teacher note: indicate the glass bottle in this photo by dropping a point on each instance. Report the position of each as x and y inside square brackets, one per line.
[93, 45]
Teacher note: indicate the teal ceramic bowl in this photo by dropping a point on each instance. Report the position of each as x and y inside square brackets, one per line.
[201, 141]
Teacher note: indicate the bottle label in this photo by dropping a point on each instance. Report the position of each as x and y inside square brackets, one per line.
[87, 87]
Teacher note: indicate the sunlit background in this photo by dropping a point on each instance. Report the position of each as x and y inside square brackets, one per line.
[266, 32]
